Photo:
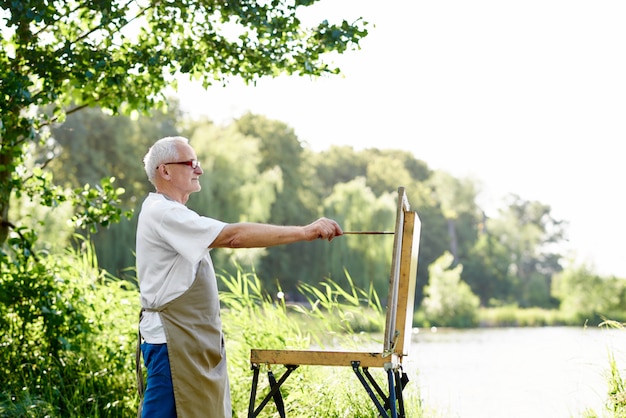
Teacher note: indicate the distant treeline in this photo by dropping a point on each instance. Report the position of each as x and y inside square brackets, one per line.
[256, 169]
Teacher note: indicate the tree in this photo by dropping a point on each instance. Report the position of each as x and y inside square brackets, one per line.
[57, 57]
[448, 300]
[338, 164]
[91, 144]
[234, 188]
[434, 238]
[366, 258]
[457, 200]
[486, 270]
[280, 148]
[387, 169]
[294, 203]
[587, 297]
[531, 237]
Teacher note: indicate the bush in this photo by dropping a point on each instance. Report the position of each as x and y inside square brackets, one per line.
[449, 301]
[589, 298]
[67, 336]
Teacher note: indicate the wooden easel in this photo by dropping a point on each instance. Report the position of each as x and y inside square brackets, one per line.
[398, 326]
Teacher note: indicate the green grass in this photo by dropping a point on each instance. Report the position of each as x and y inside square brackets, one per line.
[511, 315]
[253, 319]
[87, 368]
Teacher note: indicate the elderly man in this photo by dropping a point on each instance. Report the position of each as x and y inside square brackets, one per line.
[180, 327]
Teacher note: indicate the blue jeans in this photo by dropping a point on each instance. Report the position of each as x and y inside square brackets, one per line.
[158, 400]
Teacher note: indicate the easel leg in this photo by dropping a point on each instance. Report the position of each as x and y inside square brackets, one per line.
[396, 385]
[392, 394]
[401, 381]
[376, 387]
[368, 389]
[272, 393]
[278, 398]
[255, 381]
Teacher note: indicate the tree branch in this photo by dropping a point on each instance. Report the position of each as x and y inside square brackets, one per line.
[7, 224]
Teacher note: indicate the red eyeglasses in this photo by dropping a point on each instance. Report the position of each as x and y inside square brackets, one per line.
[191, 163]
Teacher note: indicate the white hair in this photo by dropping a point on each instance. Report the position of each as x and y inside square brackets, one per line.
[162, 151]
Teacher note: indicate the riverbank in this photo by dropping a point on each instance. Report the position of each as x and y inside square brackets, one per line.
[514, 316]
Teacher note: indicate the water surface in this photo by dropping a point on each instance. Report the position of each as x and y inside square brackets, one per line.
[547, 372]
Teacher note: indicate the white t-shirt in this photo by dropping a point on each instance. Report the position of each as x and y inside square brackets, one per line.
[171, 241]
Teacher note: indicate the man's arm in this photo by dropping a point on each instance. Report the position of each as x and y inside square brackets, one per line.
[256, 235]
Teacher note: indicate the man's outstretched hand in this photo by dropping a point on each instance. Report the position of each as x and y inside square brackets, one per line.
[323, 228]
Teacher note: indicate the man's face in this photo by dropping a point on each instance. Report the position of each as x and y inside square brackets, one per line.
[185, 178]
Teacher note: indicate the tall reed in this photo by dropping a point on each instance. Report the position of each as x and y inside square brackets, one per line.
[616, 402]
[328, 318]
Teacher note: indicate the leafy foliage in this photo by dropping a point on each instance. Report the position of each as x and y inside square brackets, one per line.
[67, 336]
[257, 170]
[529, 235]
[449, 301]
[486, 270]
[367, 258]
[89, 146]
[587, 297]
[57, 57]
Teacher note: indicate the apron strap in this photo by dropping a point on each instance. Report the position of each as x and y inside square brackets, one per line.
[138, 368]
[141, 388]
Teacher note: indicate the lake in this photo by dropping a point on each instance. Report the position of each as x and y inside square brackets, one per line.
[549, 372]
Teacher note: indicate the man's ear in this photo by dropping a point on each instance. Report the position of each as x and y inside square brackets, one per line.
[163, 171]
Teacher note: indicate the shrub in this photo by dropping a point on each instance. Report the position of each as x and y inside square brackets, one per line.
[449, 301]
[67, 335]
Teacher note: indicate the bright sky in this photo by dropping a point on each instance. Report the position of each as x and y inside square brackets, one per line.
[527, 97]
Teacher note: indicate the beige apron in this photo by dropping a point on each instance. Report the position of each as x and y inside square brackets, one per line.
[195, 347]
